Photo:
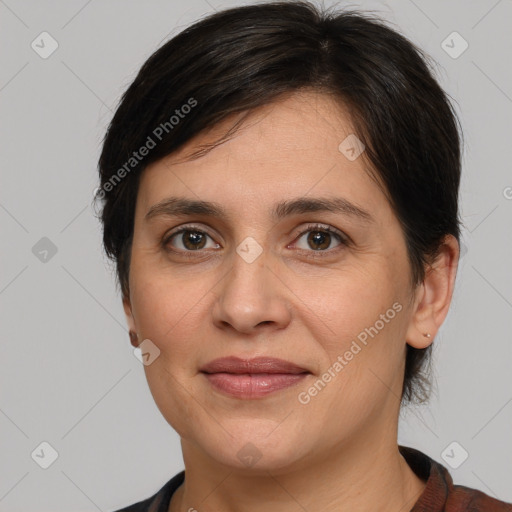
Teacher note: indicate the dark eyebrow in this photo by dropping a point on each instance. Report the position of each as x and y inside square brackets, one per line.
[320, 204]
[174, 206]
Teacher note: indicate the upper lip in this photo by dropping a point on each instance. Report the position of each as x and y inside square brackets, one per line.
[237, 365]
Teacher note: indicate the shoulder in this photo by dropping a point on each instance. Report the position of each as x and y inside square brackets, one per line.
[441, 494]
[141, 506]
[463, 498]
[159, 502]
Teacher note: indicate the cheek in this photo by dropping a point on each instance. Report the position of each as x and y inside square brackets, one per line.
[361, 317]
[169, 310]
[344, 303]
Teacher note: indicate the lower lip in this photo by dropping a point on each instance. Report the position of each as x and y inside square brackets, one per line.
[254, 385]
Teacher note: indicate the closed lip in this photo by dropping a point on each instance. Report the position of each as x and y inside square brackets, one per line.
[260, 365]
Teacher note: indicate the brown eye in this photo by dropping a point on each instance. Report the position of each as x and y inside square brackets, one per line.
[193, 240]
[320, 239]
[188, 239]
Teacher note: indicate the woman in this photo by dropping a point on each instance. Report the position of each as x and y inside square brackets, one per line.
[279, 191]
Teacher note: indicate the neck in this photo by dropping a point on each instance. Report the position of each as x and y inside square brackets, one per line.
[360, 475]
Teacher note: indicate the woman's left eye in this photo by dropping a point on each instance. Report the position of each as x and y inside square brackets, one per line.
[320, 238]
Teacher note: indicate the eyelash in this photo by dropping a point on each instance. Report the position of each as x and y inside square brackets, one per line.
[343, 239]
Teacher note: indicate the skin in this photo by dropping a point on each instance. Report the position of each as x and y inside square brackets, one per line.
[338, 452]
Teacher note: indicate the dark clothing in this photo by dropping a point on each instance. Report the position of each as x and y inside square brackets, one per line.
[439, 495]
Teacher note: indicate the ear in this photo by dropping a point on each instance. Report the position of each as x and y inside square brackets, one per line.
[434, 295]
[130, 319]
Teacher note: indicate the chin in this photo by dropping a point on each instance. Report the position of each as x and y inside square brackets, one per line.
[262, 451]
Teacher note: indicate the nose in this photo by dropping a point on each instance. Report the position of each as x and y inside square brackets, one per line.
[252, 297]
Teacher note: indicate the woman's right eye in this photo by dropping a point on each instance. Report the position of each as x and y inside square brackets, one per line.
[189, 240]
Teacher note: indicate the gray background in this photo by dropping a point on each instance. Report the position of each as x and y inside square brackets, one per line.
[68, 375]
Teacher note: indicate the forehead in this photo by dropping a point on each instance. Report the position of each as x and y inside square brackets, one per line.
[290, 147]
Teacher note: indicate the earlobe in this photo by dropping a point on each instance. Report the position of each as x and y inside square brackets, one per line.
[130, 321]
[433, 296]
[421, 333]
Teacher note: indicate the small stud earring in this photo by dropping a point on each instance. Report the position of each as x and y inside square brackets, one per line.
[426, 334]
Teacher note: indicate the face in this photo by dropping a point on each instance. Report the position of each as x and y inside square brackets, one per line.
[273, 273]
